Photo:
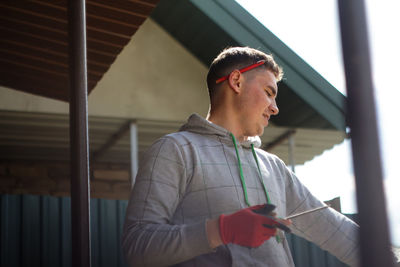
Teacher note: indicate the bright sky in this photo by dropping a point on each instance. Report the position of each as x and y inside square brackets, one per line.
[311, 29]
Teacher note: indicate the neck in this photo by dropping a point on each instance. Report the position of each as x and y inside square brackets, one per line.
[225, 118]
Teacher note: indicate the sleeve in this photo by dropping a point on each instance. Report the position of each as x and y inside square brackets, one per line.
[329, 229]
[149, 238]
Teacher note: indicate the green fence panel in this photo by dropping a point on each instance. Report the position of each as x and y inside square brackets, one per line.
[36, 231]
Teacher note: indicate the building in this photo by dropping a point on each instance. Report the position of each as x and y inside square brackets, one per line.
[147, 62]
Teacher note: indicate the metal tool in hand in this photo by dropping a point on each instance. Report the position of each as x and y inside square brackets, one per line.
[306, 212]
[267, 212]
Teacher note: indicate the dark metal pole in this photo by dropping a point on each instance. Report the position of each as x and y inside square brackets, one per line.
[80, 193]
[374, 233]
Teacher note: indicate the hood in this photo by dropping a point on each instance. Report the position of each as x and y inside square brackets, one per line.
[197, 124]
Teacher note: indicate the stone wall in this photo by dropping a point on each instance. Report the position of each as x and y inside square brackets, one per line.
[107, 181]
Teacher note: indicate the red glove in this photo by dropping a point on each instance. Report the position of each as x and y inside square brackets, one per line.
[246, 228]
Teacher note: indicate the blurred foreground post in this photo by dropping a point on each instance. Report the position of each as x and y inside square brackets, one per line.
[80, 193]
[374, 234]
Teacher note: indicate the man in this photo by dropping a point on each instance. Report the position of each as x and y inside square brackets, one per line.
[200, 193]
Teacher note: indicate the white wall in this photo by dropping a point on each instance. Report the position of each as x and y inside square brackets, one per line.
[14, 100]
[153, 77]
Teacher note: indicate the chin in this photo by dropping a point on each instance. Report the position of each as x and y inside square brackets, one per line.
[260, 131]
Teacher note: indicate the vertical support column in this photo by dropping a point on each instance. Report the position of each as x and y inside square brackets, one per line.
[374, 233]
[134, 152]
[291, 152]
[80, 193]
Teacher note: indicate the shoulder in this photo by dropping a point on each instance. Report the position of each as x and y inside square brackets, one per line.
[176, 143]
[273, 162]
[187, 138]
[272, 158]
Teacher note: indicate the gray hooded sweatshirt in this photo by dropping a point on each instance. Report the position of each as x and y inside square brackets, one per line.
[193, 175]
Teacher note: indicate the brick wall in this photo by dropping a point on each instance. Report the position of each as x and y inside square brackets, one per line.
[108, 181]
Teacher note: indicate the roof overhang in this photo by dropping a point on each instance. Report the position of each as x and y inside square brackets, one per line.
[35, 60]
[34, 42]
[205, 28]
[44, 136]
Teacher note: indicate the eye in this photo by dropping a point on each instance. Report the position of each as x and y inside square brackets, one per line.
[268, 92]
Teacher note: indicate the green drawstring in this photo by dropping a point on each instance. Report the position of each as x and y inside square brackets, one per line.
[278, 239]
[241, 172]
[242, 177]
[259, 171]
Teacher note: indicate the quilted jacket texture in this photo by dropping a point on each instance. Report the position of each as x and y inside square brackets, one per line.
[192, 175]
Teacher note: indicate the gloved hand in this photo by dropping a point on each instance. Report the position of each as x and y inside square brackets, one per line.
[248, 228]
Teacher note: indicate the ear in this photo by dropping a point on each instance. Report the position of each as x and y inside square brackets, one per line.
[235, 81]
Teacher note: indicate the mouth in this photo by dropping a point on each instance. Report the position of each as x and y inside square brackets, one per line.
[266, 116]
[266, 119]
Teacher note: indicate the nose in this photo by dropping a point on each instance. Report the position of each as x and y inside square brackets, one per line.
[273, 108]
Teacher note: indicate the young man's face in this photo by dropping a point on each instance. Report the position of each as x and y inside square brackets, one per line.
[257, 102]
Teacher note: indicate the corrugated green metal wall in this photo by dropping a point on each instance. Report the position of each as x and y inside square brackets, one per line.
[36, 231]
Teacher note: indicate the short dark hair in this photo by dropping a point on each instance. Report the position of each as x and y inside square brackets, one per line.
[236, 58]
